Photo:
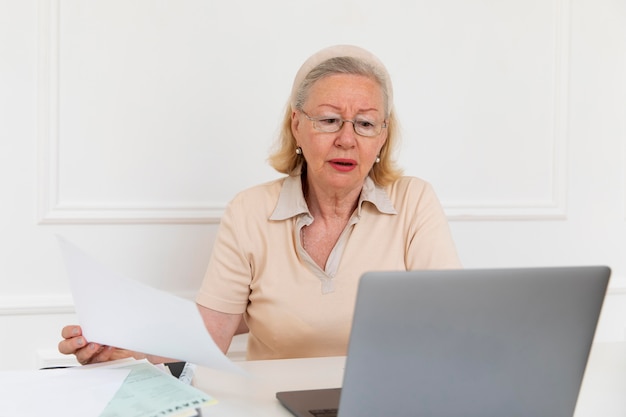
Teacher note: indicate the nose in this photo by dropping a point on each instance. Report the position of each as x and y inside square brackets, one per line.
[347, 135]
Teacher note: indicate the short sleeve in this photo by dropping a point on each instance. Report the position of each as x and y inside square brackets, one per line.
[430, 244]
[226, 284]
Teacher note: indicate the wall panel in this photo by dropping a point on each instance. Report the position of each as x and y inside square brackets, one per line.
[126, 97]
[126, 127]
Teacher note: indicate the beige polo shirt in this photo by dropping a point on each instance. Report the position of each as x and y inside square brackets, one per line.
[293, 307]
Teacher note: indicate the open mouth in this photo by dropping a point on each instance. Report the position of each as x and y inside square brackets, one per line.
[343, 164]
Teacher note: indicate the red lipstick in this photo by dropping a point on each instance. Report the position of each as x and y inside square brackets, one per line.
[343, 165]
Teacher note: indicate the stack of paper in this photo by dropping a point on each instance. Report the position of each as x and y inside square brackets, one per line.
[126, 388]
[149, 391]
[121, 388]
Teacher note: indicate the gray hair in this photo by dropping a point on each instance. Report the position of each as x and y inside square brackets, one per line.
[341, 65]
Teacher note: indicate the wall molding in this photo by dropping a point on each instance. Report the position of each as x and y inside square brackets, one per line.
[556, 207]
[36, 304]
[553, 210]
[52, 210]
[42, 304]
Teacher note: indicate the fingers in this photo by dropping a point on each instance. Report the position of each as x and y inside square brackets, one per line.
[71, 331]
[104, 353]
[72, 340]
[91, 354]
[74, 343]
[94, 353]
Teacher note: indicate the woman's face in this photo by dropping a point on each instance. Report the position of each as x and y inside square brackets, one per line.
[340, 160]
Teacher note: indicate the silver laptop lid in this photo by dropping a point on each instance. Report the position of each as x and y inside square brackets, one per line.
[497, 342]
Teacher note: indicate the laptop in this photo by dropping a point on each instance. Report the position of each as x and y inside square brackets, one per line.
[472, 342]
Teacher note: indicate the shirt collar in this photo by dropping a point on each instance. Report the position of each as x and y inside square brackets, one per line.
[291, 200]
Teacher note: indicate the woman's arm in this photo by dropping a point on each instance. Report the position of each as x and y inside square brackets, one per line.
[222, 326]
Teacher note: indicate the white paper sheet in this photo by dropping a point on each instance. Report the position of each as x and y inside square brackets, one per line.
[120, 312]
[58, 392]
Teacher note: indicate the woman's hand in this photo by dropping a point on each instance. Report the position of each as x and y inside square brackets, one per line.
[74, 343]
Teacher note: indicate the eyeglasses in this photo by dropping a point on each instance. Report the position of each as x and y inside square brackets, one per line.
[332, 124]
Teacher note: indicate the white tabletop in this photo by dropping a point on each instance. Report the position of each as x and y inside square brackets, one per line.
[603, 392]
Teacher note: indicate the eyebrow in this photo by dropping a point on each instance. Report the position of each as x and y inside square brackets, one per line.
[360, 111]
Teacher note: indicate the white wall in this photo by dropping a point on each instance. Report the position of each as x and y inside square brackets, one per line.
[127, 126]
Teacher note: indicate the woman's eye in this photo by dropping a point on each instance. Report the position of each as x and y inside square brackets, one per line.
[329, 121]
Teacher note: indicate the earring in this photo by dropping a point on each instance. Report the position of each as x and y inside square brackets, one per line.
[298, 151]
[377, 160]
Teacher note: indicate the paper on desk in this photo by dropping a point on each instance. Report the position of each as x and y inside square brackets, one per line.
[58, 392]
[148, 391]
[120, 312]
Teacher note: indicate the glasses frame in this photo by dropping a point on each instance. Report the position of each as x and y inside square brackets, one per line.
[314, 120]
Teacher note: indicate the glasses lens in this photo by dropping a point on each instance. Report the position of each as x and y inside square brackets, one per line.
[366, 128]
[332, 124]
[328, 124]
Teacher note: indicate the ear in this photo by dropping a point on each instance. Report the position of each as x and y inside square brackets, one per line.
[295, 123]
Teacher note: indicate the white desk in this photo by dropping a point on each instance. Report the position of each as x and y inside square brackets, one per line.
[603, 393]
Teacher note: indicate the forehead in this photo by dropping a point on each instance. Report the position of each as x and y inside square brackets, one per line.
[346, 89]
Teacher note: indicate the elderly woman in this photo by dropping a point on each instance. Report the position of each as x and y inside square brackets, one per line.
[289, 253]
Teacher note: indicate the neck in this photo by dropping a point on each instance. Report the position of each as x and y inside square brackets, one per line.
[331, 204]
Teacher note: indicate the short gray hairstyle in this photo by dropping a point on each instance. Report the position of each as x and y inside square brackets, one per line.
[341, 65]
